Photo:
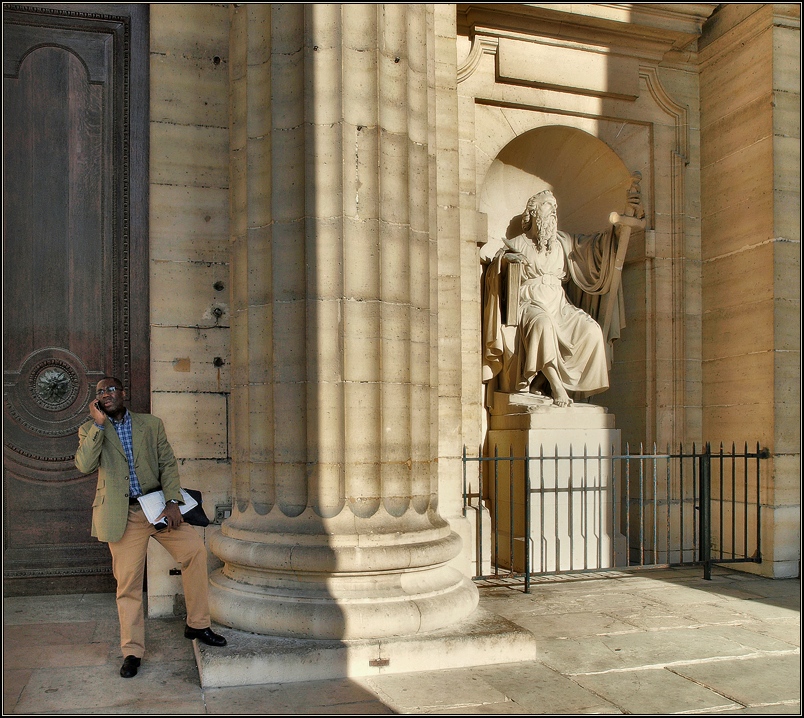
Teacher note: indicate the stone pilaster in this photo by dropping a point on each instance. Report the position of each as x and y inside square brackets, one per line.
[335, 530]
[751, 252]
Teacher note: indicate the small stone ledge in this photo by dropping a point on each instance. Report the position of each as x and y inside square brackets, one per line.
[484, 638]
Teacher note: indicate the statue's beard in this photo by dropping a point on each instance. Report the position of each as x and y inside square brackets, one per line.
[546, 230]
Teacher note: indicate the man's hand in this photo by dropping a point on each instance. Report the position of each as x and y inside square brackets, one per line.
[172, 514]
[98, 415]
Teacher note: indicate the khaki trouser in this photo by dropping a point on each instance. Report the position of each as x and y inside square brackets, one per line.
[128, 564]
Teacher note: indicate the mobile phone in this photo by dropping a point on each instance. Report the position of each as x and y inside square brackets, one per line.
[99, 407]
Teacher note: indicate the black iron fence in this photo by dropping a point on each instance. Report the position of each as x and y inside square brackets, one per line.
[553, 513]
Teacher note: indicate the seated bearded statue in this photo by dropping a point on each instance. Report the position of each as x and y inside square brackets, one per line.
[558, 348]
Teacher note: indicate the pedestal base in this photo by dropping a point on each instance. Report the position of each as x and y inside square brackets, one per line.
[571, 484]
[249, 659]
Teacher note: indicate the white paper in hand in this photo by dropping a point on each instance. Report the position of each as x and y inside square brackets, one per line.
[153, 504]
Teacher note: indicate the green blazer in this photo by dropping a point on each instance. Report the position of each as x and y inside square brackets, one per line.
[154, 462]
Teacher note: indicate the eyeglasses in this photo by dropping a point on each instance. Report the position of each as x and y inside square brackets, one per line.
[108, 390]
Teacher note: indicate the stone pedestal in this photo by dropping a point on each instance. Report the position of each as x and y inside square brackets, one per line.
[571, 482]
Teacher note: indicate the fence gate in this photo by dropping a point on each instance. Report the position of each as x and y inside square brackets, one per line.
[551, 513]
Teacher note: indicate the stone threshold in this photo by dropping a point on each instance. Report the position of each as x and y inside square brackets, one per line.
[484, 638]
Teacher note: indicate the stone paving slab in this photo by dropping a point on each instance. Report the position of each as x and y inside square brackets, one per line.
[434, 690]
[709, 613]
[537, 689]
[14, 681]
[50, 656]
[764, 679]
[165, 688]
[56, 609]
[765, 610]
[652, 692]
[786, 630]
[334, 696]
[633, 650]
[564, 625]
[493, 709]
[758, 641]
[773, 710]
[617, 646]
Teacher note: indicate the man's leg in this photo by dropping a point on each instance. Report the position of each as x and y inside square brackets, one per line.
[187, 548]
[128, 566]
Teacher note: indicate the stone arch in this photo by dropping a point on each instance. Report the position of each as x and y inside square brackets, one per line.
[587, 177]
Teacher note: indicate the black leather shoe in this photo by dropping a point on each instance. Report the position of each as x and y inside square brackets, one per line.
[129, 667]
[205, 635]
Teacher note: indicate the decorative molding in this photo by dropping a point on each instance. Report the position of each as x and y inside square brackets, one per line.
[53, 384]
[481, 45]
[38, 430]
[119, 28]
[678, 161]
[61, 12]
[679, 112]
[47, 561]
[50, 381]
[57, 572]
[47, 459]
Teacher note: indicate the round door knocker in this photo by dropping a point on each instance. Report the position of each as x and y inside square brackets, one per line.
[53, 385]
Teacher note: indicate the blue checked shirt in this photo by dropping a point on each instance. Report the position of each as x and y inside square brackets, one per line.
[123, 429]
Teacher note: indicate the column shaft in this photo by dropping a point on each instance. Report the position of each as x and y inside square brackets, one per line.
[335, 531]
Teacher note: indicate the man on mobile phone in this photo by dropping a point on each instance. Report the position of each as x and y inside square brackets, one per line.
[132, 456]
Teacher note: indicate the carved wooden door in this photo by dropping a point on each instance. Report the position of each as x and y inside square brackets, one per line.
[75, 297]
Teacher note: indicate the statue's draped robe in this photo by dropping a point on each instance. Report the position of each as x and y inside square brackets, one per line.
[551, 328]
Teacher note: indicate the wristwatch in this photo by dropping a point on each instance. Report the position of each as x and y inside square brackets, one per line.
[172, 501]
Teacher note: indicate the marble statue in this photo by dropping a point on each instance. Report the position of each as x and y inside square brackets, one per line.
[557, 348]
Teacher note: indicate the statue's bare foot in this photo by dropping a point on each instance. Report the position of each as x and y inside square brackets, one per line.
[561, 398]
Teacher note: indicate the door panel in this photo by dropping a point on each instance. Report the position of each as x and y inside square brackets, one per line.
[75, 271]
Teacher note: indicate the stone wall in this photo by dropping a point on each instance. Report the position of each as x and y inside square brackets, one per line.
[750, 199]
[189, 257]
[711, 347]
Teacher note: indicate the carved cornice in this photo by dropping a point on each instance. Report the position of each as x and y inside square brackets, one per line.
[737, 24]
[650, 29]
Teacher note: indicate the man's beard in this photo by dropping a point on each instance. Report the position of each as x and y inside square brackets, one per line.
[546, 229]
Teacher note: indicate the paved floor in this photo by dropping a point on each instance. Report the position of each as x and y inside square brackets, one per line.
[649, 642]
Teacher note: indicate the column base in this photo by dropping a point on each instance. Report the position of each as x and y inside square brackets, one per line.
[483, 638]
[375, 583]
[379, 606]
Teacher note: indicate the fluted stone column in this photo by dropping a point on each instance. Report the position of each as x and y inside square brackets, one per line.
[335, 530]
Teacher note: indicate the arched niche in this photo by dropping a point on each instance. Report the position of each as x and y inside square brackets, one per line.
[586, 176]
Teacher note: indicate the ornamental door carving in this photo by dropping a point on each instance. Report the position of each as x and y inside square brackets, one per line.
[75, 271]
